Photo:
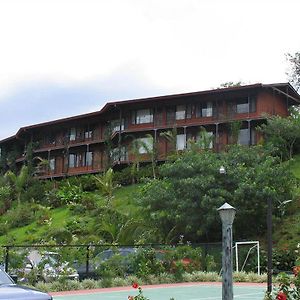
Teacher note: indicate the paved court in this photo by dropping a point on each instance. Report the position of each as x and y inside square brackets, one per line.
[185, 291]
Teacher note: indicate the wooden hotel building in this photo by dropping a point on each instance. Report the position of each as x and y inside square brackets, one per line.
[79, 144]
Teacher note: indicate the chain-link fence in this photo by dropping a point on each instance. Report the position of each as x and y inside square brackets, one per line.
[47, 262]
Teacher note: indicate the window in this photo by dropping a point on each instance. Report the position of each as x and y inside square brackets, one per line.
[242, 106]
[123, 154]
[205, 139]
[142, 116]
[115, 125]
[72, 160]
[119, 154]
[180, 112]
[244, 138]
[52, 164]
[145, 144]
[50, 139]
[72, 134]
[80, 159]
[171, 115]
[205, 109]
[189, 111]
[88, 158]
[88, 133]
[180, 141]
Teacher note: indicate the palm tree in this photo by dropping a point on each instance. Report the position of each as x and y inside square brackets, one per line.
[19, 182]
[105, 183]
[205, 141]
[171, 137]
[149, 148]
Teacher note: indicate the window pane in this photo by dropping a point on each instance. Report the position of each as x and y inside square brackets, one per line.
[243, 138]
[207, 109]
[144, 116]
[206, 139]
[145, 145]
[189, 111]
[115, 125]
[180, 141]
[72, 134]
[123, 154]
[242, 106]
[171, 115]
[180, 112]
[88, 134]
[204, 109]
[52, 164]
[89, 158]
[72, 160]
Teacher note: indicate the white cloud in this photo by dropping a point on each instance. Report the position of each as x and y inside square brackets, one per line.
[171, 45]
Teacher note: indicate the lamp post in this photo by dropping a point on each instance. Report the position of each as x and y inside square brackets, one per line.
[270, 245]
[227, 214]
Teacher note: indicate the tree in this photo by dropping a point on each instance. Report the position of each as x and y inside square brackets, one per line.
[148, 148]
[105, 183]
[294, 72]
[205, 141]
[171, 137]
[230, 84]
[18, 182]
[185, 199]
[234, 130]
[282, 133]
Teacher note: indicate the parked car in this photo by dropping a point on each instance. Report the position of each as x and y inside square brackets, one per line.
[10, 290]
[49, 266]
[96, 263]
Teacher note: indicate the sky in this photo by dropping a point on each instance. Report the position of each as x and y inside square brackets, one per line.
[60, 58]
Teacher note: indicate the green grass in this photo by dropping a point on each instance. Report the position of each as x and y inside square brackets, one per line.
[295, 166]
[29, 233]
[122, 201]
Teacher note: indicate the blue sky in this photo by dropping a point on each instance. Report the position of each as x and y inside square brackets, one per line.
[65, 57]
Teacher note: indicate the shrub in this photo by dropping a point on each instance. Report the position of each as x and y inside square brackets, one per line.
[20, 216]
[70, 193]
[52, 199]
[87, 182]
[89, 284]
[60, 235]
[145, 262]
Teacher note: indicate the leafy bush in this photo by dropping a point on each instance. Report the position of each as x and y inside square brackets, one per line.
[145, 262]
[5, 198]
[60, 235]
[116, 266]
[284, 259]
[35, 192]
[52, 199]
[20, 216]
[87, 182]
[70, 193]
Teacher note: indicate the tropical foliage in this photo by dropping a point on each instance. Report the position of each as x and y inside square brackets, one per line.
[185, 199]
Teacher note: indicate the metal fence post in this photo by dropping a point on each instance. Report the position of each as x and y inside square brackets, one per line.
[87, 265]
[6, 258]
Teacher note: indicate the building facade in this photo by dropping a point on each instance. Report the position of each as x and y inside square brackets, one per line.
[90, 143]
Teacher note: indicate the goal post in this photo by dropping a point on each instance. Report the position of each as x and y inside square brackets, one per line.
[255, 245]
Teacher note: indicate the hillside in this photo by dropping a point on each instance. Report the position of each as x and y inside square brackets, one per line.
[117, 220]
[288, 231]
[62, 217]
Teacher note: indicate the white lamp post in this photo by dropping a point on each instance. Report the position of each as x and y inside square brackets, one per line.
[227, 214]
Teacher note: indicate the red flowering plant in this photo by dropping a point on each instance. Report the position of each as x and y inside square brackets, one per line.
[289, 286]
[140, 295]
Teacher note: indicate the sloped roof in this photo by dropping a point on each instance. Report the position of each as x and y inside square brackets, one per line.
[285, 88]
